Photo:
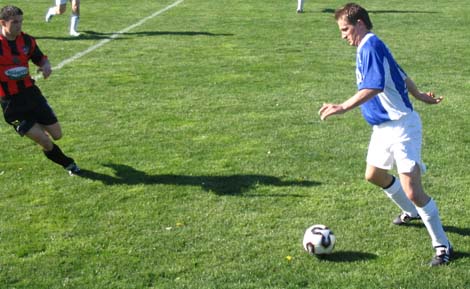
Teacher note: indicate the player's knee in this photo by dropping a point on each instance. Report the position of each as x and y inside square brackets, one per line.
[61, 9]
[55, 133]
[57, 136]
[378, 177]
[369, 176]
[75, 10]
[375, 179]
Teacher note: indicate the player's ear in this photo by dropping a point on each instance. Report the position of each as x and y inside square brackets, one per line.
[361, 23]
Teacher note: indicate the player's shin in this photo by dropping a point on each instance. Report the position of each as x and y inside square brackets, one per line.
[74, 24]
[57, 156]
[397, 195]
[430, 216]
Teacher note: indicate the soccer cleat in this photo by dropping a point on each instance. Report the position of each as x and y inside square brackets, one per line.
[442, 257]
[300, 11]
[74, 33]
[404, 218]
[73, 169]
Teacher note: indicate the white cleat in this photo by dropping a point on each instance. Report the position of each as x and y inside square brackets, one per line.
[74, 33]
[49, 16]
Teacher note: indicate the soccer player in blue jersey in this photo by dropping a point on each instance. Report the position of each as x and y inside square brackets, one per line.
[382, 95]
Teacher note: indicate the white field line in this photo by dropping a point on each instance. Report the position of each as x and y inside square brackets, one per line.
[112, 37]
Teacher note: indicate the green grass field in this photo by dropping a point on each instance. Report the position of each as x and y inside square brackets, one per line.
[204, 158]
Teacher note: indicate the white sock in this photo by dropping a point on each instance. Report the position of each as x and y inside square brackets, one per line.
[430, 216]
[300, 4]
[50, 13]
[397, 195]
[74, 22]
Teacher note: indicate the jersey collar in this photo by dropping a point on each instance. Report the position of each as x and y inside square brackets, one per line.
[364, 40]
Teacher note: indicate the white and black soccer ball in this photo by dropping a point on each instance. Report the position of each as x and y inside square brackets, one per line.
[319, 240]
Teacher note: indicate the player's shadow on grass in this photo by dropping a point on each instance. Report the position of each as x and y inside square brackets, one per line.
[94, 35]
[221, 185]
[449, 229]
[158, 33]
[331, 10]
[347, 256]
[353, 256]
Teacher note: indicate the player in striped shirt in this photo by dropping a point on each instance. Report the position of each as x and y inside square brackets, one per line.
[23, 105]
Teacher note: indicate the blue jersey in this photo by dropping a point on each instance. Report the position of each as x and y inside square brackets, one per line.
[377, 69]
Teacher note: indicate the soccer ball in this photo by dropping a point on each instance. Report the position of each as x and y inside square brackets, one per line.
[319, 240]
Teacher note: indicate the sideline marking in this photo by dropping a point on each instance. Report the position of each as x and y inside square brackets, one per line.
[112, 37]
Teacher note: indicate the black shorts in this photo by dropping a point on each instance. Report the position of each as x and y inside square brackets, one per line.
[26, 108]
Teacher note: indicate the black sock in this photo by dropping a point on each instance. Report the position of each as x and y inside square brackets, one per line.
[58, 157]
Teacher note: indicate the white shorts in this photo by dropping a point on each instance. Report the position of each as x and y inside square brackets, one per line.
[60, 2]
[397, 142]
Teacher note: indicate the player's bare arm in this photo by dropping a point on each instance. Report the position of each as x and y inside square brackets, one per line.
[427, 97]
[359, 98]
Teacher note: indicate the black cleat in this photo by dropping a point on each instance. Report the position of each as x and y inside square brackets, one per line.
[73, 169]
[442, 257]
[404, 218]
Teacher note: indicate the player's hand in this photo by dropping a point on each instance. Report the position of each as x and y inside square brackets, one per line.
[329, 109]
[433, 99]
[429, 97]
[45, 69]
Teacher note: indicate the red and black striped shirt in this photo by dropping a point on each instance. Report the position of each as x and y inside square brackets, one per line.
[14, 63]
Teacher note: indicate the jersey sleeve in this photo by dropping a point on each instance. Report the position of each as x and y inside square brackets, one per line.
[373, 72]
[402, 72]
[36, 55]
